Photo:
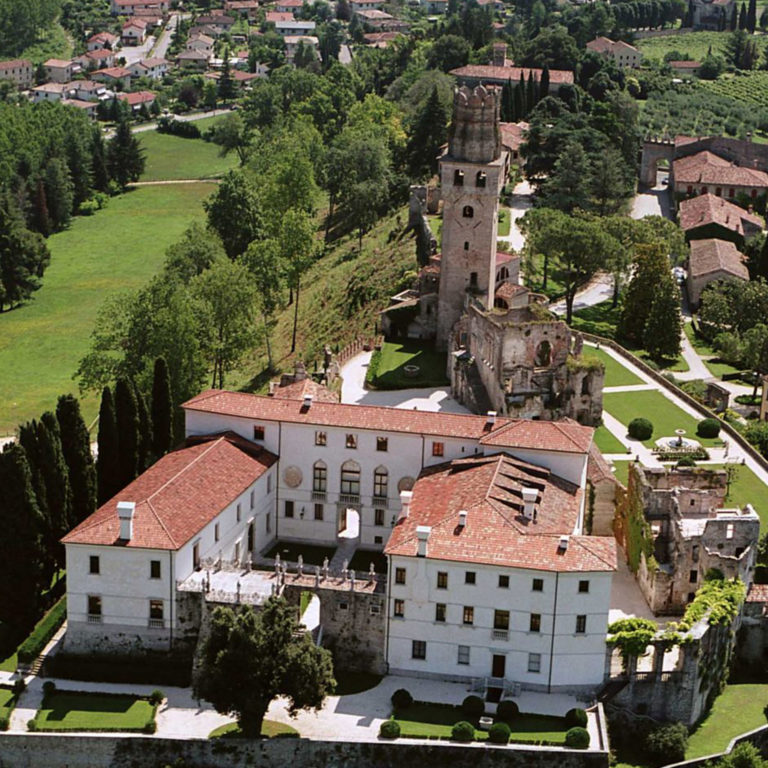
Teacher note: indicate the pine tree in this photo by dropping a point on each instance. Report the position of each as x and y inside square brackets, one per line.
[162, 410]
[22, 552]
[107, 465]
[41, 218]
[430, 131]
[125, 156]
[145, 432]
[76, 448]
[530, 95]
[79, 165]
[567, 187]
[661, 336]
[127, 420]
[99, 162]
[59, 192]
[226, 83]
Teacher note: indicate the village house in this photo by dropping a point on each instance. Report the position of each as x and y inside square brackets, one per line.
[60, 70]
[294, 28]
[434, 6]
[712, 260]
[706, 171]
[713, 15]
[275, 17]
[709, 216]
[50, 92]
[154, 69]
[380, 39]
[685, 68]
[90, 108]
[114, 77]
[382, 21]
[98, 59]
[90, 90]
[135, 7]
[472, 75]
[134, 32]
[200, 43]
[247, 8]
[292, 43]
[220, 22]
[102, 40]
[512, 138]
[289, 6]
[204, 29]
[193, 60]
[137, 99]
[19, 71]
[623, 54]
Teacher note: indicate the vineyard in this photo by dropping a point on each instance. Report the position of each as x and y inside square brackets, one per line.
[693, 44]
[750, 88]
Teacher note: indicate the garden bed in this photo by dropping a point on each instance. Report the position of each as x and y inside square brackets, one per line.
[81, 711]
[270, 729]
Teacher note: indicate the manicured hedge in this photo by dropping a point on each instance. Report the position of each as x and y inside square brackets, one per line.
[145, 670]
[709, 428]
[577, 738]
[389, 729]
[473, 707]
[401, 699]
[576, 717]
[507, 710]
[499, 733]
[640, 429]
[44, 630]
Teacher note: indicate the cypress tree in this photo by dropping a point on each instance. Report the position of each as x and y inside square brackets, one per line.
[430, 130]
[530, 95]
[107, 467]
[57, 489]
[752, 16]
[544, 83]
[99, 162]
[519, 102]
[162, 410]
[42, 219]
[125, 155]
[145, 432]
[59, 192]
[29, 441]
[506, 102]
[76, 447]
[127, 420]
[734, 19]
[22, 553]
[743, 16]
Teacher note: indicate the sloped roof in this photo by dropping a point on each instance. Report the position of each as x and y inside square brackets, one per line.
[490, 489]
[708, 168]
[713, 255]
[711, 209]
[502, 74]
[299, 389]
[513, 134]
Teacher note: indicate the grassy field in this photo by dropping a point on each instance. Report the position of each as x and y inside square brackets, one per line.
[117, 249]
[739, 708]
[171, 157]
[206, 122]
[616, 375]
[747, 488]
[665, 416]
[7, 702]
[607, 442]
[76, 711]
[269, 728]
[504, 222]
[395, 355]
[693, 44]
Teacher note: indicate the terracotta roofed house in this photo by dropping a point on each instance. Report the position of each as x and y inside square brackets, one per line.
[488, 74]
[712, 260]
[705, 172]
[710, 216]
[624, 54]
[512, 138]
[19, 71]
[102, 40]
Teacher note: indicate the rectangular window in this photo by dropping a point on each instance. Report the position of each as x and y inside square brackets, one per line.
[470, 577]
[253, 494]
[380, 484]
[440, 612]
[501, 619]
[438, 449]
[289, 509]
[538, 585]
[319, 511]
[419, 650]
[584, 585]
[236, 557]
[469, 615]
[535, 623]
[93, 564]
[320, 478]
[693, 577]
[463, 657]
[378, 540]
[269, 484]
[581, 624]
[216, 532]
[350, 481]
[382, 443]
[321, 438]
[258, 432]
[378, 517]
[399, 575]
[351, 441]
[156, 609]
[154, 569]
[94, 605]
[399, 608]
[196, 555]
[534, 662]
[239, 513]
[504, 582]
[442, 580]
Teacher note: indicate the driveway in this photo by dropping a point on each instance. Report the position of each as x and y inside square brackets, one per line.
[653, 201]
[522, 201]
[599, 289]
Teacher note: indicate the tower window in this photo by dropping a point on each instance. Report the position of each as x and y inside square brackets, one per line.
[458, 178]
[473, 279]
[468, 212]
[466, 245]
[481, 179]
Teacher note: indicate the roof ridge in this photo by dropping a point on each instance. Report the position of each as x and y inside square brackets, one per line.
[208, 447]
[581, 541]
[160, 521]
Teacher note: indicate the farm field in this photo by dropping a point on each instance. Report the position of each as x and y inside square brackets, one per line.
[172, 157]
[693, 44]
[746, 87]
[118, 249]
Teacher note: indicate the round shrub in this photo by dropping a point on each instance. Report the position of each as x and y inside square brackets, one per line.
[401, 699]
[150, 726]
[686, 461]
[49, 687]
[577, 738]
[576, 717]
[708, 428]
[499, 733]
[666, 744]
[640, 429]
[5, 723]
[473, 706]
[32, 724]
[463, 731]
[156, 697]
[507, 710]
[389, 729]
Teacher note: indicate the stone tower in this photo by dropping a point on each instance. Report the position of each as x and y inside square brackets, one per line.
[472, 174]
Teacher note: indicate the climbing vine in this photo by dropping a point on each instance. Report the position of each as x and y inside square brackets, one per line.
[637, 531]
[632, 636]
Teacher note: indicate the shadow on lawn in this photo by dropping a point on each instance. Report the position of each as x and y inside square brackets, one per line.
[430, 362]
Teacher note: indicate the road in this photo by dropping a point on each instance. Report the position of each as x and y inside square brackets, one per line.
[522, 200]
[152, 47]
[345, 55]
[653, 201]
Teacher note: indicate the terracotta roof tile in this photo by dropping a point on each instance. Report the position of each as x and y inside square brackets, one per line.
[502, 74]
[708, 168]
[758, 593]
[513, 134]
[178, 495]
[598, 469]
[713, 255]
[711, 209]
[297, 391]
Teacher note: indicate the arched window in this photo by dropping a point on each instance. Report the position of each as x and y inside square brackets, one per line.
[481, 179]
[468, 212]
[350, 478]
[458, 178]
[503, 274]
[320, 477]
[543, 354]
[380, 482]
[500, 303]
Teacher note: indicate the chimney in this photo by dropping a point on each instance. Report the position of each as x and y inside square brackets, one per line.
[125, 510]
[529, 500]
[307, 401]
[499, 54]
[491, 417]
[462, 518]
[563, 545]
[422, 534]
[405, 503]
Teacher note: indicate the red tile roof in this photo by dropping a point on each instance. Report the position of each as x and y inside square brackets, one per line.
[139, 97]
[299, 389]
[15, 64]
[566, 436]
[758, 593]
[711, 209]
[684, 64]
[490, 489]
[713, 255]
[180, 494]
[275, 16]
[509, 290]
[598, 469]
[502, 74]
[708, 168]
[114, 72]
[513, 134]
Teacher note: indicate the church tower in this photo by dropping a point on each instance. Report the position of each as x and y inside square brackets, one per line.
[472, 174]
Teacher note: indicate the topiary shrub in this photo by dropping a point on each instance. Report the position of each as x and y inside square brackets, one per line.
[686, 461]
[473, 706]
[156, 697]
[463, 731]
[499, 733]
[49, 687]
[150, 726]
[640, 429]
[389, 729]
[577, 738]
[507, 710]
[667, 743]
[32, 724]
[401, 699]
[576, 717]
[708, 428]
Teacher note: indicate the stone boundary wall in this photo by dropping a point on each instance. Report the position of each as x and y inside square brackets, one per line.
[703, 410]
[758, 737]
[45, 750]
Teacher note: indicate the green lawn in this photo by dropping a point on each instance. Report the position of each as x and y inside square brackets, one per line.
[76, 711]
[716, 366]
[395, 355]
[206, 122]
[117, 249]
[616, 375]
[422, 720]
[269, 728]
[607, 442]
[739, 708]
[7, 702]
[747, 488]
[504, 222]
[621, 471]
[172, 157]
[312, 553]
[665, 416]
[693, 44]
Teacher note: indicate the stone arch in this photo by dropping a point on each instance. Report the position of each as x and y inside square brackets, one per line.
[500, 303]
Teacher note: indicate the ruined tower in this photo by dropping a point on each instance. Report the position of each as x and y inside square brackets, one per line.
[472, 174]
